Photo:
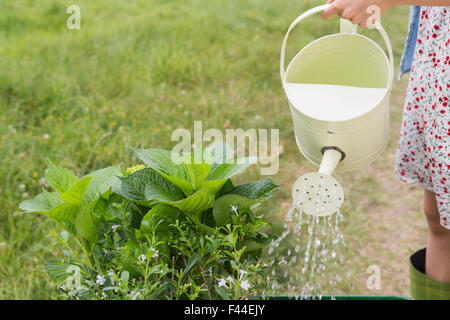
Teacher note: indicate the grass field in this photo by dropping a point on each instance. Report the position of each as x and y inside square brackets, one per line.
[137, 70]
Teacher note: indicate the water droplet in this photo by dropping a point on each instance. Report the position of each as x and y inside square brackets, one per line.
[305, 266]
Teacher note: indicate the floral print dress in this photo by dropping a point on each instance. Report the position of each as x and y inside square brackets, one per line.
[423, 156]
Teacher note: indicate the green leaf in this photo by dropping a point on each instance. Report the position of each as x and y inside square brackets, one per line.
[252, 246]
[75, 194]
[86, 224]
[259, 190]
[128, 261]
[196, 203]
[159, 219]
[184, 185]
[228, 185]
[207, 230]
[65, 212]
[42, 203]
[195, 258]
[222, 292]
[59, 178]
[124, 277]
[157, 192]
[102, 181]
[56, 271]
[135, 216]
[133, 186]
[227, 170]
[147, 184]
[197, 172]
[223, 207]
[161, 160]
[132, 268]
[214, 186]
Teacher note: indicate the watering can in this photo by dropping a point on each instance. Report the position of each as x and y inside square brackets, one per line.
[338, 90]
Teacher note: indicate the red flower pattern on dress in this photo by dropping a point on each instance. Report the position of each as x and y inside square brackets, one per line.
[423, 156]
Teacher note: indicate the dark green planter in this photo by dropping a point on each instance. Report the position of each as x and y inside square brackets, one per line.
[422, 286]
[347, 298]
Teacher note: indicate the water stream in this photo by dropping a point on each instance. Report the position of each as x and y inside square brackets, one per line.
[307, 268]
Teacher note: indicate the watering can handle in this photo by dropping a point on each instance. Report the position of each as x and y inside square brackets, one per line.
[322, 8]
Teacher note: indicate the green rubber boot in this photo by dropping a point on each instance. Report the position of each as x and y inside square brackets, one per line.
[422, 286]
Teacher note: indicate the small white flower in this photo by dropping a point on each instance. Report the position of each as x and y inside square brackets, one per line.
[163, 270]
[142, 258]
[245, 285]
[210, 270]
[46, 136]
[230, 279]
[22, 187]
[156, 254]
[114, 227]
[63, 287]
[222, 283]
[234, 209]
[111, 277]
[25, 195]
[241, 274]
[42, 182]
[100, 280]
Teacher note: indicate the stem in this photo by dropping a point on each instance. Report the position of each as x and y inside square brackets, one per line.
[206, 282]
[173, 275]
[87, 250]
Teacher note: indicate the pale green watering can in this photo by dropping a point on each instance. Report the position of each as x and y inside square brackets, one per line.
[338, 90]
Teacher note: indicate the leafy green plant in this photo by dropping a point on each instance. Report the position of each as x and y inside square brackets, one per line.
[162, 230]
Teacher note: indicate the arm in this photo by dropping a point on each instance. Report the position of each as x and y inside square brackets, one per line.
[356, 10]
[437, 3]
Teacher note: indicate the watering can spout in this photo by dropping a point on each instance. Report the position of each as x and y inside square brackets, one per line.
[331, 157]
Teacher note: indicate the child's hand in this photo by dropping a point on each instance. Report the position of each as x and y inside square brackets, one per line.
[356, 10]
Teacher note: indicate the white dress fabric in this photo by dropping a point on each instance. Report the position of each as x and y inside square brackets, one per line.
[423, 156]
